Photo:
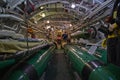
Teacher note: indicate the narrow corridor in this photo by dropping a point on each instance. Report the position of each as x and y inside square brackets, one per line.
[58, 68]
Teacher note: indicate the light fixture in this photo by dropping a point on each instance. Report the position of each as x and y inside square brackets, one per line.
[48, 27]
[70, 25]
[43, 14]
[73, 5]
[48, 21]
[52, 29]
[35, 22]
[41, 7]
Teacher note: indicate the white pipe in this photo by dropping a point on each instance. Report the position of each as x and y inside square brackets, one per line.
[14, 3]
[11, 16]
[99, 8]
[2, 10]
[8, 27]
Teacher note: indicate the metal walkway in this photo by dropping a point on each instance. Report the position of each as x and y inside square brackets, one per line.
[58, 68]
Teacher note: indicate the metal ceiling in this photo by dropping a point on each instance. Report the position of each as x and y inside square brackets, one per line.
[57, 10]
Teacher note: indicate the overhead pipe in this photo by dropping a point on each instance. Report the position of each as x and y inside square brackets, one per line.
[14, 3]
[40, 3]
[99, 8]
[106, 13]
[2, 10]
[13, 28]
[11, 16]
[8, 27]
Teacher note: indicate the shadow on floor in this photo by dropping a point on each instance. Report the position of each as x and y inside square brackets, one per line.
[58, 68]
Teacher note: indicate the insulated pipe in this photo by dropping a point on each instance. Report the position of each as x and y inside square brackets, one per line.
[11, 16]
[2, 10]
[100, 8]
[34, 67]
[25, 52]
[8, 27]
[6, 61]
[101, 54]
[88, 66]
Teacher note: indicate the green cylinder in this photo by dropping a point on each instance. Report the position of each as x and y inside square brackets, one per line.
[101, 73]
[34, 67]
[18, 75]
[6, 63]
[81, 35]
[78, 62]
[87, 65]
[101, 54]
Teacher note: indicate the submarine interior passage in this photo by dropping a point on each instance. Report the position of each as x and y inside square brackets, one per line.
[59, 39]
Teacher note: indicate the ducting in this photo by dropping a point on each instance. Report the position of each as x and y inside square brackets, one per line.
[11, 16]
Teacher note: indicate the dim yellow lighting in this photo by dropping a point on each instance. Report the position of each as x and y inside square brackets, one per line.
[52, 29]
[48, 27]
[35, 22]
[43, 14]
[73, 5]
[41, 7]
[48, 21]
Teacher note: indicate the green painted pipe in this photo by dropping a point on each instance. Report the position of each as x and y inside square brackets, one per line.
[87, 65]
[81, 35]
[101, 54]
[34, 67]
[6, 63]
[78, 62]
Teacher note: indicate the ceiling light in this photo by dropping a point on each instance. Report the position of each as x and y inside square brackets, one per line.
[73, 5]
[35, 22]
[48, 27]
[48, 21]
[70, 25]
[41, 7]
[52, 29]
[43, 14]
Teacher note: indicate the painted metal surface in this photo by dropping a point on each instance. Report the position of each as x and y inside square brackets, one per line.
[88, 66]
[6, 63]
[101, 54]
[34, 67]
